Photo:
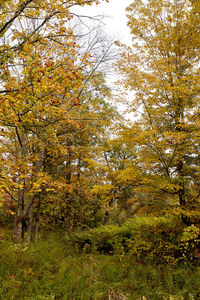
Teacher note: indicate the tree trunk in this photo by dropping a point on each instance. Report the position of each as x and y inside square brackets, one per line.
[23, 221]
[37, 219]
[18, 221]
[181, 192]
[17, 233]
[67, 218]
[29, 229]
[181, 196]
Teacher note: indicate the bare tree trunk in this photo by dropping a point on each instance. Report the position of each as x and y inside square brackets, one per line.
[19, 223]
[17, 232]
[29, 230]
[67, 218]
[181, 193]
[37, 219]
[19, 219]
[67, 195]
[22, 204]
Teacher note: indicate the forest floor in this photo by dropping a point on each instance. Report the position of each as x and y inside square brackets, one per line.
[51, 269]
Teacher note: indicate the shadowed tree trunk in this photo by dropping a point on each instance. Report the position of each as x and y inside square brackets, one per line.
[17, 233]
[29, 229]
[37, 219]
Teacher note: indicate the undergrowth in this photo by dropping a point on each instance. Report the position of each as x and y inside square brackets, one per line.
[50, 269]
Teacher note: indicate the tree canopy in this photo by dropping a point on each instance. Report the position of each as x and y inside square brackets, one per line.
[67, 155]
[162, 68]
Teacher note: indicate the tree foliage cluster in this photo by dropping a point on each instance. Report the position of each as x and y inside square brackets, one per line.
[67, 156]
[162, 68]
[53, 104]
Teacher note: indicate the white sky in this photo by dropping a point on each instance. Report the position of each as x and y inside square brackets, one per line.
[114, 17]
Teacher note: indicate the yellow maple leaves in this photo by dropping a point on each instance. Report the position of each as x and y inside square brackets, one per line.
[162, 69]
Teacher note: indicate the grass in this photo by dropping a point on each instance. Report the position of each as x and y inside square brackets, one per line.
[50, 269]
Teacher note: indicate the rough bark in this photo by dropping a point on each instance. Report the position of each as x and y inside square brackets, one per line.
[19, 219]
[37, 219]
[30, 221]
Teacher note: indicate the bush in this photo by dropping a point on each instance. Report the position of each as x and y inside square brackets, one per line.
[155, 239]
[190, 243]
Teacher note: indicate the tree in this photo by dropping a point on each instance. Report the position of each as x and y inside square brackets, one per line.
[162, 68]
[41, 78]
[77, 207]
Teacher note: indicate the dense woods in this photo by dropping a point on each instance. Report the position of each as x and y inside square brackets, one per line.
[87, 182]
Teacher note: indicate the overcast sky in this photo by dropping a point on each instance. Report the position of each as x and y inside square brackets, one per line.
[114, 17]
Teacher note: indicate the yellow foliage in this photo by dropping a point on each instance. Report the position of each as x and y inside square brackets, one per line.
[162, 68]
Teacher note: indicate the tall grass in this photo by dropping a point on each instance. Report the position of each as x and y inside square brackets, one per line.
[50, 269]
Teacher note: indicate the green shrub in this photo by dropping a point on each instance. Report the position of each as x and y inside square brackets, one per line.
[154, 239]
[190, 243]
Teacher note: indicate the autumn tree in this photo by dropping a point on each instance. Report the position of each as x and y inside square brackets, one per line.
[78, 206]
[90, 116]
[162, 68]
[41, 78]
